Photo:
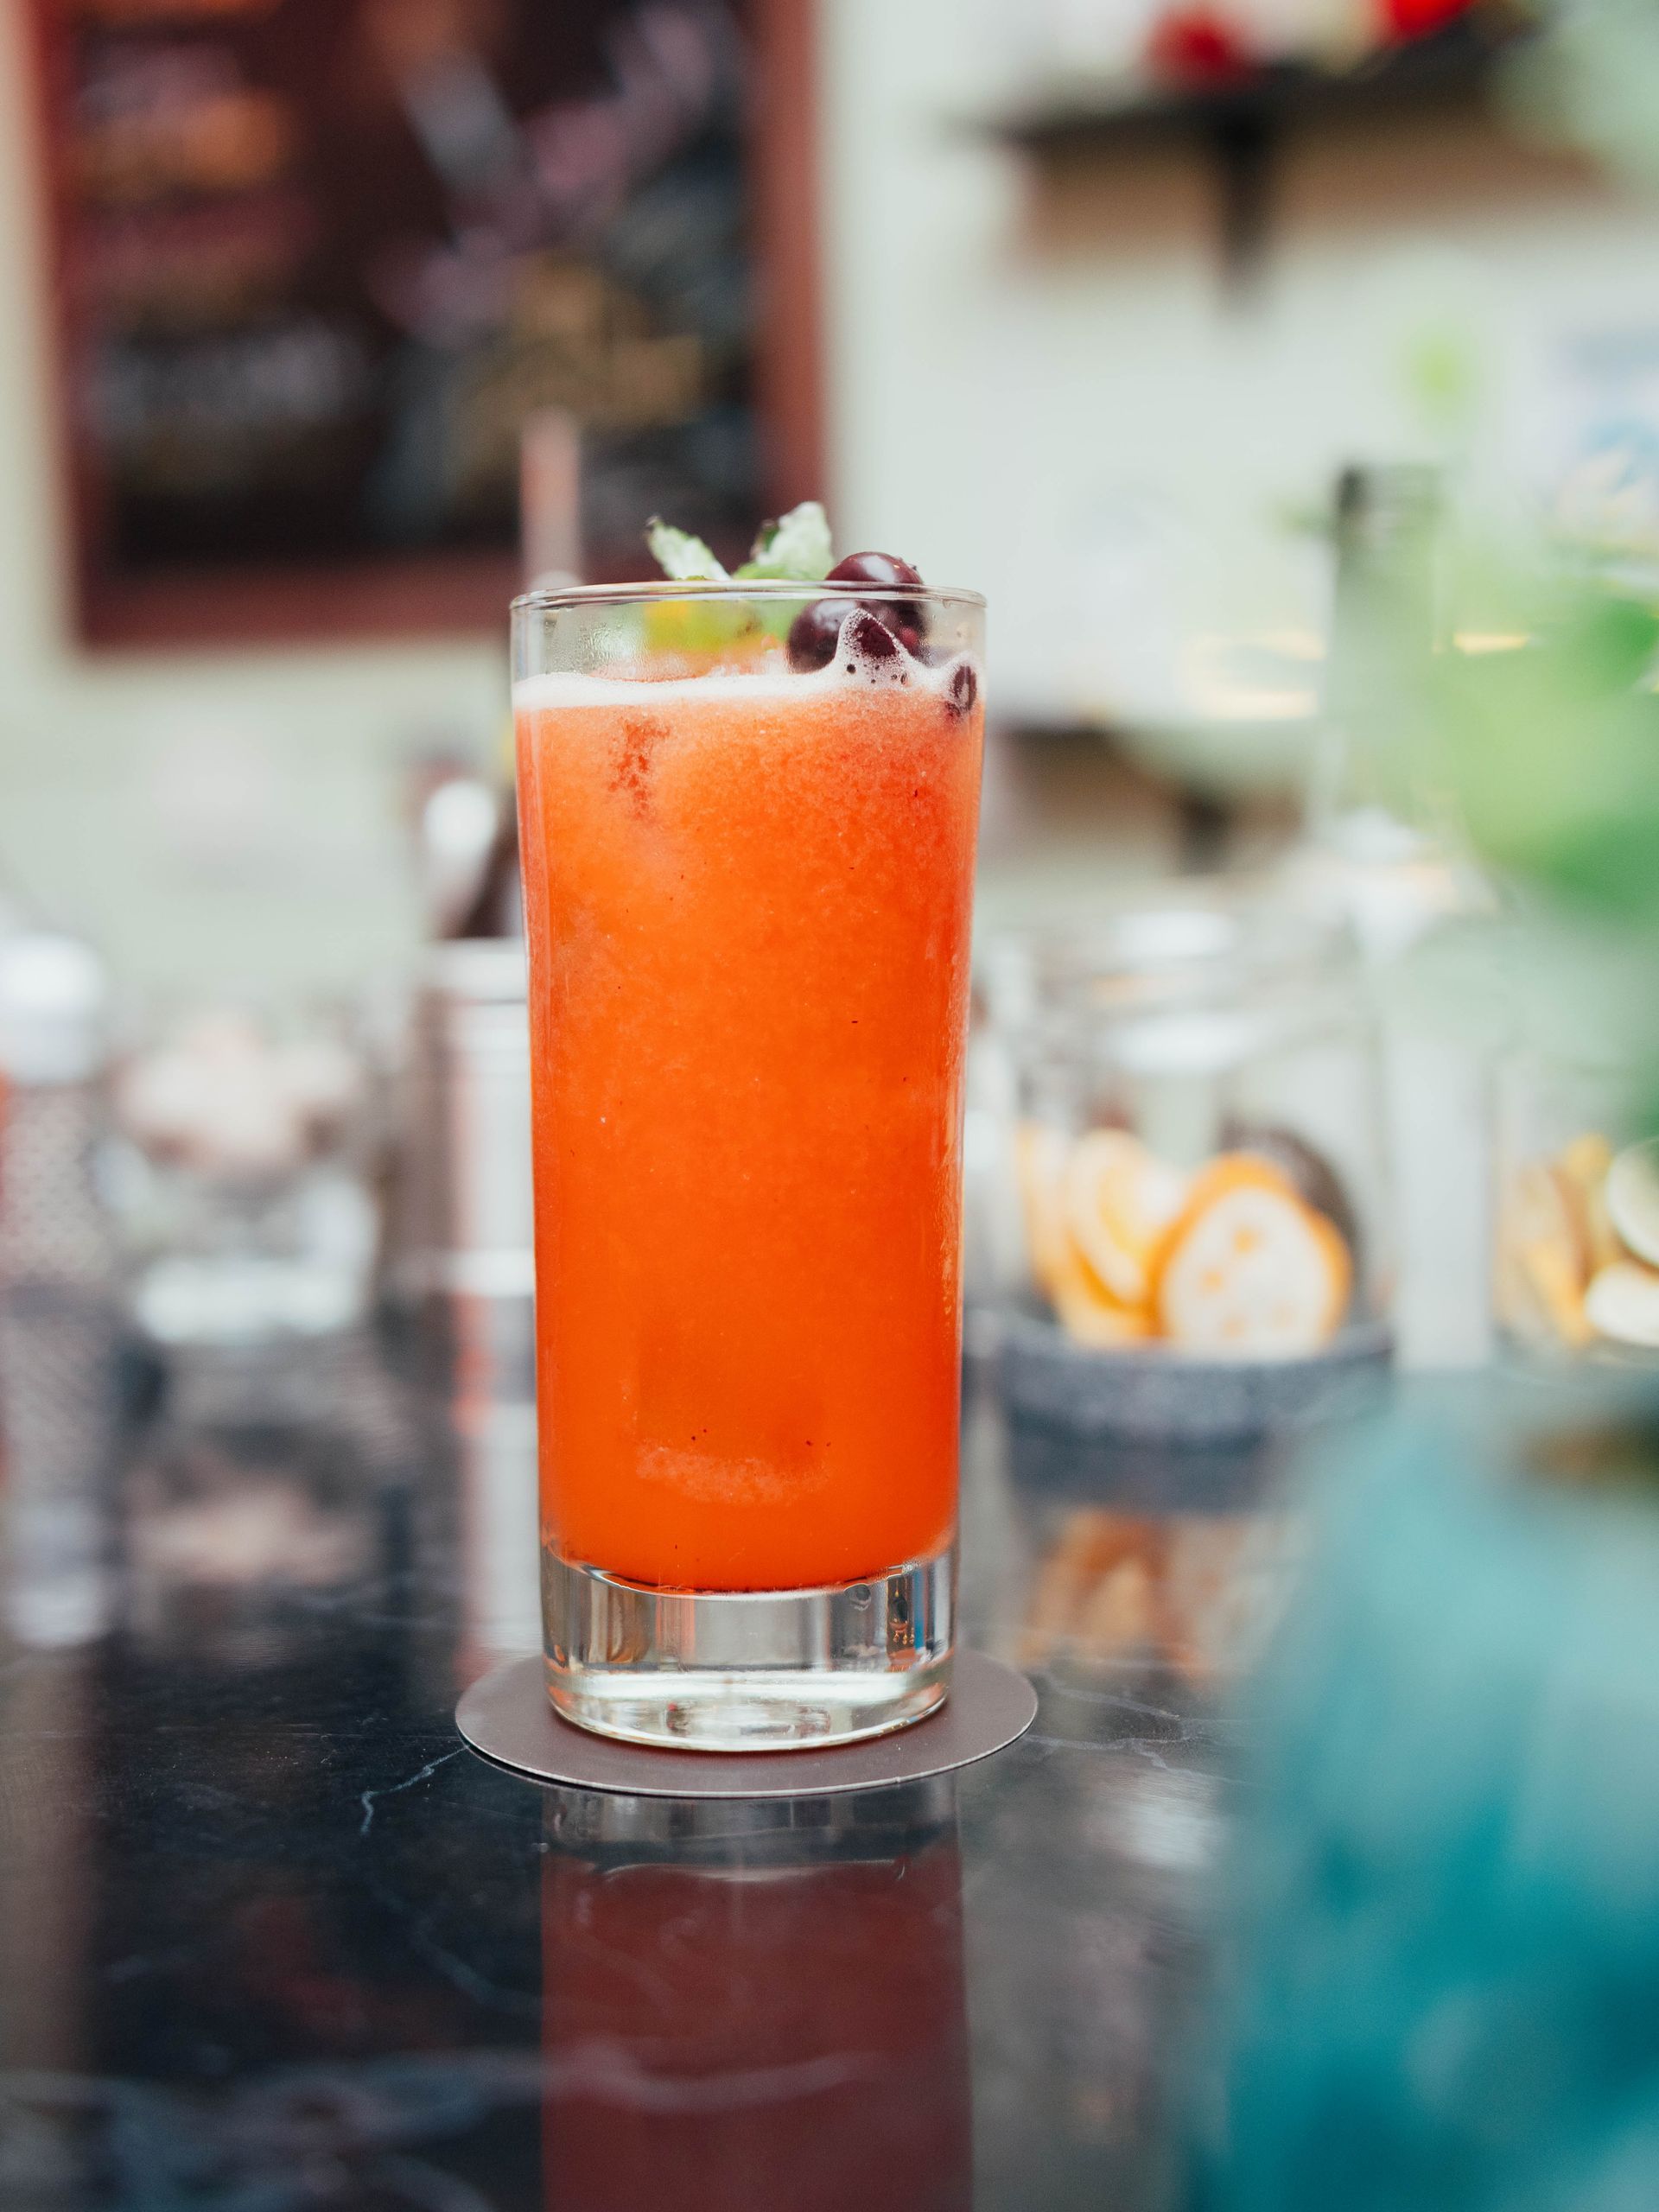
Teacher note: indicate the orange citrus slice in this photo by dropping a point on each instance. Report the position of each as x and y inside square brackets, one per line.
[1086, 1309]
[1248, 1271]
[1582, 1169]
[1089, 1316]
[1120, 1200]
[1547, 1263]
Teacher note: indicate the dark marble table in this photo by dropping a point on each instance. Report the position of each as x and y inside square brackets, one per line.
[270, 1937]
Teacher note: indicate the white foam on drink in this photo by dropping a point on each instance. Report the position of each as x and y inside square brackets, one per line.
[568, 689]
[741, 687]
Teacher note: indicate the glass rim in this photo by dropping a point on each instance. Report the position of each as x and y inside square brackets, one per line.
[654, 589]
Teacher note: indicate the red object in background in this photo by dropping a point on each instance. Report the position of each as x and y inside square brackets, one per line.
[1201, 46]
[1197, 46]
[1407, 19]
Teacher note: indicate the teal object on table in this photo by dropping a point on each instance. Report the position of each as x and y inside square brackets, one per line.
[1440, 1919]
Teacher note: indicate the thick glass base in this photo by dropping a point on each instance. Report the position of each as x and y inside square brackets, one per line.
[747, 1670]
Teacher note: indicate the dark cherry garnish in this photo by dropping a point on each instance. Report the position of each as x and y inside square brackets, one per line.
[889, 573]
[884, 627]
[818, 630]
[884, 568]
[869, 638]
[813, 634]
[963, 688]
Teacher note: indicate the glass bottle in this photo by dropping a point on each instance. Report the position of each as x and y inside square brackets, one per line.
[59, 1324]
[1383, 843]
[1383, 848]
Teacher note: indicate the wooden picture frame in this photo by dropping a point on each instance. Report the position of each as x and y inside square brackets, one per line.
[441, 594]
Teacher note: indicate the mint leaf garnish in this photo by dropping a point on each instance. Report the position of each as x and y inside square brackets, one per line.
[681, 556]
[795, 548]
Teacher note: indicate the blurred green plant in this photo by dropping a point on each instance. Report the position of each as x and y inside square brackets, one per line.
[1553, 745]
[1444, 378]
[1556, 748]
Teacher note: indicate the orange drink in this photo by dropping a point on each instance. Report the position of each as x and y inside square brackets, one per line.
[747, 895]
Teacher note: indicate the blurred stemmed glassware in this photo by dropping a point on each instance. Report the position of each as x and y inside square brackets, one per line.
[244, 1182]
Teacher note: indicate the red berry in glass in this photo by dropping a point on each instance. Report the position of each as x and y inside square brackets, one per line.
[813, 634]
[889, 574]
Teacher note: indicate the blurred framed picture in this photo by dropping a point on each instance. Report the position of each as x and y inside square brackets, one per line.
[317, 263]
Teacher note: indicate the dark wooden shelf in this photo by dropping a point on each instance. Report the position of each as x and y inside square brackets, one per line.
[1239, 123]
[1450, 67]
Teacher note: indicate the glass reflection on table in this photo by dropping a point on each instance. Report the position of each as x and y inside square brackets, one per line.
[754, 2005]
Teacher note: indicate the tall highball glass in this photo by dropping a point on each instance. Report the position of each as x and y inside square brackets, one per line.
[748, 816]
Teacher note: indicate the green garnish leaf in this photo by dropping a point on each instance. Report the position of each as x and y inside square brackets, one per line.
[796, 549]
[681, 556]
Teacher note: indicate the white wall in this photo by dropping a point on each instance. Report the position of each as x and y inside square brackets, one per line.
[1046, 392]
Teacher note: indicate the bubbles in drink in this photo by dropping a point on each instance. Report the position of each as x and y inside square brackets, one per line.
[868, 651]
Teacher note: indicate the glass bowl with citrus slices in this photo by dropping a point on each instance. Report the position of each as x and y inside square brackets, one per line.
[1197, 1148]
[1576, 1252]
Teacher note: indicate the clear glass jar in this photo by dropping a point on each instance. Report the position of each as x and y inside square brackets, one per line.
[244, 1180]
[1199, 1152]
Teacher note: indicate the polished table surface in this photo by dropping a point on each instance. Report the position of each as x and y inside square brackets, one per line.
[270, 1936]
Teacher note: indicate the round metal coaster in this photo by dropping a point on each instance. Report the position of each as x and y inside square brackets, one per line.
[507, 1717]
